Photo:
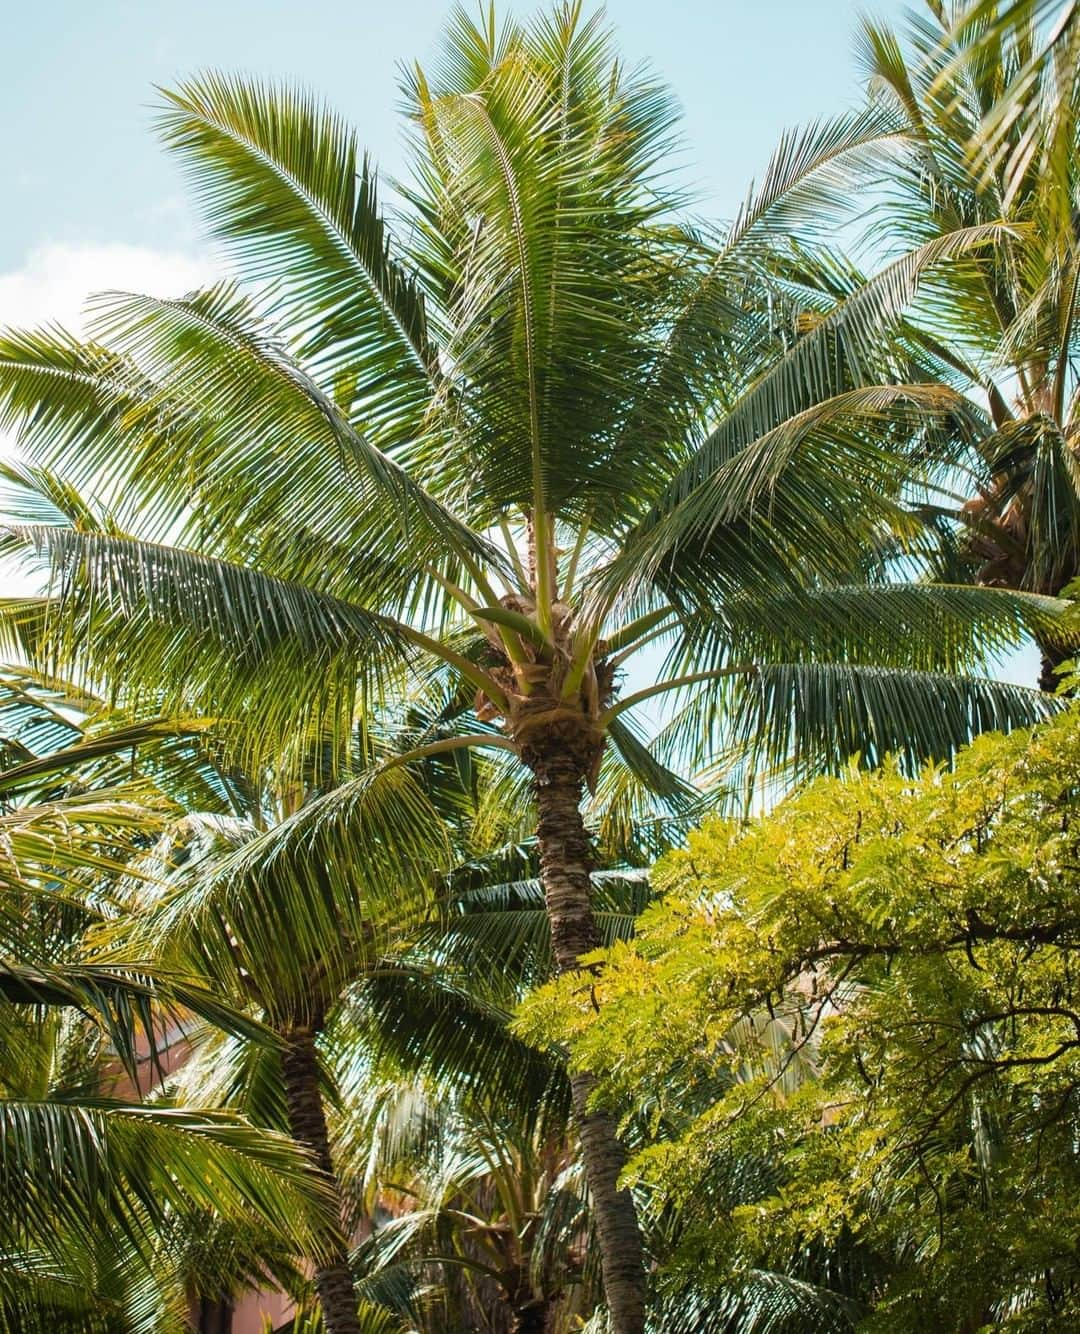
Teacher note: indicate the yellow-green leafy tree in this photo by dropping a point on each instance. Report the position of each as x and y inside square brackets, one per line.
[852, 1030]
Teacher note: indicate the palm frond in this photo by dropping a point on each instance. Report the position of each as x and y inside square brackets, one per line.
[834, 355]
[925, 626]
[423, 1025]
[810, 716]
[283, 184]
[338, 880]
[187, 632]
[86, 1165]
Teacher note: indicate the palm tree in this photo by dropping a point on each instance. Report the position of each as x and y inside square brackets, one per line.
[279, 908]
[491, 1207]
[1002, 324]
[218, 963]
[99, 1190]
[523, 430]
[489, 920]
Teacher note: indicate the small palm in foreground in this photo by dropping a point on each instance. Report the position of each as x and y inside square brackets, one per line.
[551, 425]
[282, 910]
[101, 1195]
[493, 1209]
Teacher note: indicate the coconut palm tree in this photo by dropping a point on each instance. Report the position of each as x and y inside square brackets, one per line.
[445, 1112]
[1002, 324]
[528, 425]
[279, 907]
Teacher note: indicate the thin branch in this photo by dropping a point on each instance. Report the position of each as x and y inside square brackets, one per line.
[808, 1033]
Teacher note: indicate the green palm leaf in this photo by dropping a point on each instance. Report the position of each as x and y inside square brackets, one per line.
[283, 184]
[188, 632]
[338, 880]
[81, 1164]
[796, 714]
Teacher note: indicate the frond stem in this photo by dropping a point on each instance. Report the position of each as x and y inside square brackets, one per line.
[469, 670]
[575, 557]
[513, 553]
[740, 669]
[478, 576]
[632, 630]
[454, 590]
[541, 532]
[658, 633]
[451, 743]
[509, 641]
[579, 663]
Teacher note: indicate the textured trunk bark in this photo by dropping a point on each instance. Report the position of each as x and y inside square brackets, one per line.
[307, 1121]
[564, 873]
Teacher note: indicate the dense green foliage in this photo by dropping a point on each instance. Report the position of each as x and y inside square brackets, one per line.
[116, 1200]
[324, 748]
[856, 1023]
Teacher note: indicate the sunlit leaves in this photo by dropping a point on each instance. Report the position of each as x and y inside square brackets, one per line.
[853, 1023]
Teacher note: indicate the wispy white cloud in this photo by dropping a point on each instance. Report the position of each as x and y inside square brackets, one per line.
[53, 283]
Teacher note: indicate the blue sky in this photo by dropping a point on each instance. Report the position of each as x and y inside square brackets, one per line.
[82, 166]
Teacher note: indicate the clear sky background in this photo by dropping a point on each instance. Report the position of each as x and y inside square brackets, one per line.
[82, 167]
[90, 201]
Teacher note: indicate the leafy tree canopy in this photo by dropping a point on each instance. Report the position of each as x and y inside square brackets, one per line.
[850, 1034]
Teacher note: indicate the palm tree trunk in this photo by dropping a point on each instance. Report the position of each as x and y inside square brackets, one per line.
[564, 874]
[307, 1122]
[215, 1317]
